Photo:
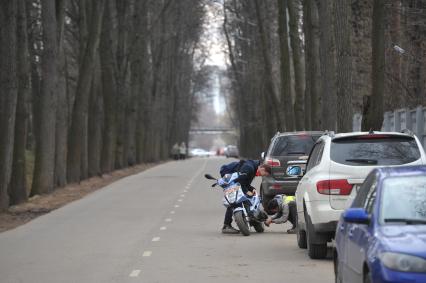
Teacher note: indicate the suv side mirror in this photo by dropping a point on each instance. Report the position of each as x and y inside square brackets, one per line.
[262, 155]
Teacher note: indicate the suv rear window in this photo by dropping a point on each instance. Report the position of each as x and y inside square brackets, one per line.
[297, 145]
[374, 150]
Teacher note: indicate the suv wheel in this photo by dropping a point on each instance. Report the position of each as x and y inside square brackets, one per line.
[301, 236]
[315, 250]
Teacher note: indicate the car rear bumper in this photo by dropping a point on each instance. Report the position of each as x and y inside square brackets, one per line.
[323, 217]
[325, 227]
[272, 187]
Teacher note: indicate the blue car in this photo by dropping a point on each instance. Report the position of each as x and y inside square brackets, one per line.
[382, 236]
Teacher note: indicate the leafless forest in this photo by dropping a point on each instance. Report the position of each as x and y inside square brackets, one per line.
[88, 87]
[333, 58]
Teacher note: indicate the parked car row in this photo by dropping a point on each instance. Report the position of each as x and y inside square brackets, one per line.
[199, 152]
[329, 173]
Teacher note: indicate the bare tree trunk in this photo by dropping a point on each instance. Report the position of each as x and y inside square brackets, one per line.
[286, 99]
[299, 103]
[95, 124]
[307, 30]
[109, 86]
[8, 95]
[34, 35]
[79, 125]
[313, 69]
[373, 108]
[328, 93]
[18, 184]
[395, 90]
[43, 181]
[62, 107]
[344, 65]
[139, 76]
[236, 74]
[361, 20]
[268, 67]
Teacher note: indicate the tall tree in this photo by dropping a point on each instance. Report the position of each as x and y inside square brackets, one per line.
[286, 93]
[8, 94]
[342, 30]
[109, 85]
[296, 48]
[312, 63]
[43, 180]
[79, 126]
[62, 114]
[18, 185]
[374, 105]
[328, 90]
[267, 64]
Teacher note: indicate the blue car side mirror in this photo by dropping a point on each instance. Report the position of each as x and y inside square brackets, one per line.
[356, 215]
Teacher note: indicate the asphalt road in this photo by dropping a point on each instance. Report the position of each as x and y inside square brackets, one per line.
[162, 225]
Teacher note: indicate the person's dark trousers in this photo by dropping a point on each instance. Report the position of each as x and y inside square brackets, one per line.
[228, 216]
[292, 213]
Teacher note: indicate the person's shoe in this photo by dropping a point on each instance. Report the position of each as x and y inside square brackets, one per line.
[228, 229]
[291, 231]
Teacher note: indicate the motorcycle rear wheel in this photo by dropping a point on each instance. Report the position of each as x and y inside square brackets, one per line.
[242, 223]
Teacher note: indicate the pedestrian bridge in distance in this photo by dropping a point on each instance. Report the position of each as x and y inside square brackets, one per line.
[212, 130]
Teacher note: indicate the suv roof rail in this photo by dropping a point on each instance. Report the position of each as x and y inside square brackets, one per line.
[276, 134]
[408, 132]
[329, 133]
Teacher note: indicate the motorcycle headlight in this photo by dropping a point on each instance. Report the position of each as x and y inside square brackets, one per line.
[403, 262]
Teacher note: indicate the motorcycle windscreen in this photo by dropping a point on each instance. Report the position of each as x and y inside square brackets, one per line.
[231, 193]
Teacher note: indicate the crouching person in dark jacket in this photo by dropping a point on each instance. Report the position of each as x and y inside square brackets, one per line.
[284, 209]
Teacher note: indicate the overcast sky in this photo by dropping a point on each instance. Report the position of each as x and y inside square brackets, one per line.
[213, 35]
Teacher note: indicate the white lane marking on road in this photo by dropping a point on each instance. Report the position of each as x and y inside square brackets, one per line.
[168, 220]
[156, 239]
[182, 195]
[180, 199]
[172, 212]
[135, 273]
[188, 186]
[185, 191]
[163, 228]
[176, 205]
[147, 253]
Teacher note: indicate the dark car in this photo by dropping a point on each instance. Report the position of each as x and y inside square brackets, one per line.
[231, 151]
[284, 150]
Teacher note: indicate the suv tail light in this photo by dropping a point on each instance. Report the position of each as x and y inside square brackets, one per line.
[334, 187]
[272, 162]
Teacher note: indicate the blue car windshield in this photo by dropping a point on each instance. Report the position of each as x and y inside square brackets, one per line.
[404, 200]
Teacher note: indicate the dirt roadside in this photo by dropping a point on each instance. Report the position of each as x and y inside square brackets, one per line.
[41, 204]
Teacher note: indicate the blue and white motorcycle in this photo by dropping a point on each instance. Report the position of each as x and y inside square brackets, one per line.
[246, 209]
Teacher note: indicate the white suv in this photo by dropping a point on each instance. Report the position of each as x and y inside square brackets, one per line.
[337, 166]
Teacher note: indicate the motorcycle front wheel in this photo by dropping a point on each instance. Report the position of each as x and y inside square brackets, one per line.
[242, 224]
